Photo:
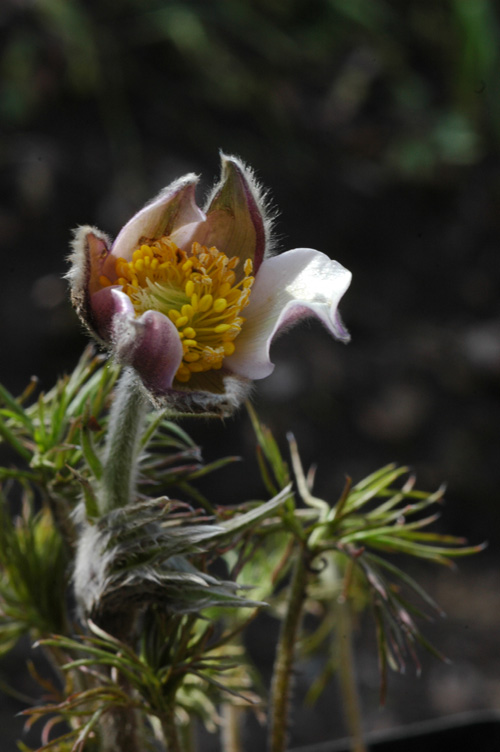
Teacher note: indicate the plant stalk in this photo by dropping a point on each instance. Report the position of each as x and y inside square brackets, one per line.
[119, 731]
[285, 653]
[122, 445]
[170, 731]
[230, 736]
[347, 678]
[121, 727]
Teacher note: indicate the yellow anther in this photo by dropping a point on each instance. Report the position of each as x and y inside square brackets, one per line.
[244, 298]
[232, 332]
[219, 305]
[191, 357]
[196, 289]
[206, 303]
[196, 367]
[221, 328]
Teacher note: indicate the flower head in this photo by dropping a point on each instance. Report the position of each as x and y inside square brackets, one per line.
[192, 299]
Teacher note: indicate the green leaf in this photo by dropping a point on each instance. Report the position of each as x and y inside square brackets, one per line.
[88, 449]
[89, 495]
[243, 521]
[10, 437]
[270, 450]
[17, 411]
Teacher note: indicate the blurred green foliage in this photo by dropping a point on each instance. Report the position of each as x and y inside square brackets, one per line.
[413, 84]
[100, 100]
[161, 560]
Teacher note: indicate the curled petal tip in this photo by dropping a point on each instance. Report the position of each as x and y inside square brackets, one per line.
[341, 332]
[290, 287]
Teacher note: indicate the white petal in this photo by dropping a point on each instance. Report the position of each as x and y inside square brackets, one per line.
[288, 287]
[174, 207]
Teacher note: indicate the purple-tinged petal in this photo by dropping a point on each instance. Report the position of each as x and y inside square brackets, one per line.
[174, 207]
[90, 258]
[235, 221]
[105, 305]
[151, 345]
[299, 283]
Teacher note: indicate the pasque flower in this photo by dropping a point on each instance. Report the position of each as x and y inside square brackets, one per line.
[192, 299]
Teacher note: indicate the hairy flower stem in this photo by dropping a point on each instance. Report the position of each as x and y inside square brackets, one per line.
[120, 454]
[283, 664]
[121, 727]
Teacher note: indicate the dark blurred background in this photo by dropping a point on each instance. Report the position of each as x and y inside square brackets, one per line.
[376, 126]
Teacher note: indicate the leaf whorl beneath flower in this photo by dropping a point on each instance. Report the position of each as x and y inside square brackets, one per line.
[141, 555]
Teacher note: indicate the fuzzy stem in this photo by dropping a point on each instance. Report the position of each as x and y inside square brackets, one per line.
[283, 664]
[349, 690]
[120, 454]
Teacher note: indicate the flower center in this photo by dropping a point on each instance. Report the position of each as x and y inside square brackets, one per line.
[197, 291]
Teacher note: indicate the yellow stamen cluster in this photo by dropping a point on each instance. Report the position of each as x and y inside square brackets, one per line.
[199, 293]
